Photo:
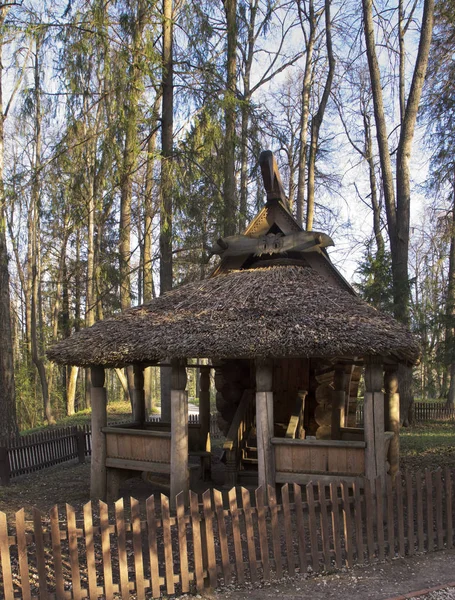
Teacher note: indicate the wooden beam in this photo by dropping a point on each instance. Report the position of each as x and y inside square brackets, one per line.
[338, 401]
[98, 474]
[138, 395]
[179, 432]
[392, 418]
[374, 419]
[264, 422]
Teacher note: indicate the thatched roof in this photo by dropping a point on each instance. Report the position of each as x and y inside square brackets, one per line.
[282, 311]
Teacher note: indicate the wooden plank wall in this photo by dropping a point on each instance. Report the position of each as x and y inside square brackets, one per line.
[144, 550]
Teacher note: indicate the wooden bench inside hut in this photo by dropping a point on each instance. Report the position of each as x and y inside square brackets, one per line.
[287, 338]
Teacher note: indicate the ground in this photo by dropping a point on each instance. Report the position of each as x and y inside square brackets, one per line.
[391, 580]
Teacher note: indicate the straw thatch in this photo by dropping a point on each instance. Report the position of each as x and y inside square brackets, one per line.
[283, 311]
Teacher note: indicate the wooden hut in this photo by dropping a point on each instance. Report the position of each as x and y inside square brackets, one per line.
[286, 335]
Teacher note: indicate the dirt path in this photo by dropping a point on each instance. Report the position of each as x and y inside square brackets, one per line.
[382, 581]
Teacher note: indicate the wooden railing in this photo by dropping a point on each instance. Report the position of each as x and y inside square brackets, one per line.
[138, 449]
[141, 550]
[240, 427]
[300, 461]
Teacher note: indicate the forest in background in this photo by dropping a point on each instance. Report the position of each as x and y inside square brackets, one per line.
[130, 132]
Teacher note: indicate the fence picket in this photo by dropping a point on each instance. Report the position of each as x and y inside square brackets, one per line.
[209, 538]
[448, 494]
[335, 511]
[57, 553]
[7, 576]
[262, 531]
[218, 499]
[247, 512]
[106, 551]
[358, 522]
[390, 517]
[314, 544]
[167, 539]
[275, 531]
[419, 512]
[23, 558]
[429, 502]
[410, 513]
[137, 548]
[324, 525]
[183, 545]
[153, 547]
[39, 548]
[197, 543]
[347, 523]
[439, 510]
[73, 553]
[400, 514]
[379, 497]
[232, 495]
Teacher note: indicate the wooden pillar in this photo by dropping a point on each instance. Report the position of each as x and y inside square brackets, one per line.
[179, 431]
[338, 401]
[138, 395]
[264, 422]
[99, 420]
[392, 417]
[373, 417]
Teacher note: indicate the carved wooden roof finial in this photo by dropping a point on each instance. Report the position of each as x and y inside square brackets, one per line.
[271, 177]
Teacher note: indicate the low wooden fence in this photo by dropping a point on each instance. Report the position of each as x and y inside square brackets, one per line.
[24, 454]
[423, 411]
[36, 451]
[219, 539]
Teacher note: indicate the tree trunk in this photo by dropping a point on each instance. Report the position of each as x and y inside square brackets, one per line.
[317, 119]
[229, 188]
[305, 114]
[167, 133]
[71, 390]
[8, 422]
[398, 208]
[450, 309]
[37, 349]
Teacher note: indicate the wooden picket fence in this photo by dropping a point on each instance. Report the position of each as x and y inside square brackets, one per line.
[219, 539]
[20, 455]
[423, 411]
[433, 411]
[24, 454]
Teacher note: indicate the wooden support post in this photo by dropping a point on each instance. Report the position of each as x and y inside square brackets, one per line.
[80, 440]
[99, 420]
[338, 401]
[5, 473]
[264, 422]
[204, 418]
[179, 432]
[392, 417]
[138, 395]
[373, 417]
